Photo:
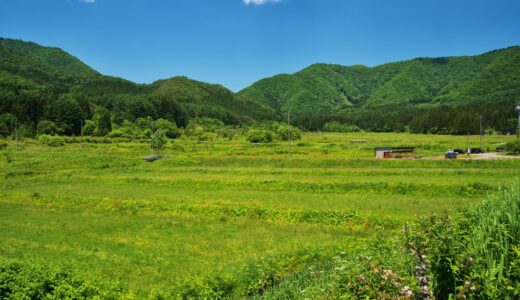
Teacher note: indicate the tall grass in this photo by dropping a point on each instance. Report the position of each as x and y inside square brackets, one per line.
[496, 232]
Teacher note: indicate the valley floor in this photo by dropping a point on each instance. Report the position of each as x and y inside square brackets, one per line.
[215, 206]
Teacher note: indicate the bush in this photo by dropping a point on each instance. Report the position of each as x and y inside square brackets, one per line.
[282, 131]
[6, 121]
[473, 256]
[169, 129]
[260, 136]
[4, 130]
[157, 142]
[48, 127]
[335, 126]
[52, 141]
[207, 137]
[513, 147]
[89, 128]
[20, 280]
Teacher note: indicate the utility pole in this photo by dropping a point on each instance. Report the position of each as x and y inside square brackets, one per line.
[518, 111]
[481, 134]
[467, 144]
[289, 131]
[16, 134]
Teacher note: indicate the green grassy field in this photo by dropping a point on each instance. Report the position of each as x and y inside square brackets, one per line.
[214, 206]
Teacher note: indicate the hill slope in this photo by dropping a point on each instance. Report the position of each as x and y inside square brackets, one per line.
[43, 83]
[329, 89]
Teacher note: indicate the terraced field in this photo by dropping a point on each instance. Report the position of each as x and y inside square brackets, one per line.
[215, 206]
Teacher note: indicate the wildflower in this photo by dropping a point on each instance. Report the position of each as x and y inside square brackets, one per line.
[423, 280]
[407, 292]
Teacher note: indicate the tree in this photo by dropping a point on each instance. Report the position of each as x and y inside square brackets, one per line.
[260, 136]
[102, 121]
[66, 113]
[169, 128]
[157, 142]
[48, 127]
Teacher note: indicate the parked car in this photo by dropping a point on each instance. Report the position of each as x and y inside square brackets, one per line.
[459, 151]
[450, 155]
[476, 150]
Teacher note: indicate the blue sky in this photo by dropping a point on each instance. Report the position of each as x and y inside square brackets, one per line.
[236, 42]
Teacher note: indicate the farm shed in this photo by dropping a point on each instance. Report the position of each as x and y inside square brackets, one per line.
[394, 152]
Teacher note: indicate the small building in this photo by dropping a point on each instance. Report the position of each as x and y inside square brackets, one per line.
[394, 152]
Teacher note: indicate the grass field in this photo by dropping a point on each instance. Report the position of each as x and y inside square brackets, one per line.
[214, 206]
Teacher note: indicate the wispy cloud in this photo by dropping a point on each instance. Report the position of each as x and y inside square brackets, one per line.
[88, 1]
[259, 2]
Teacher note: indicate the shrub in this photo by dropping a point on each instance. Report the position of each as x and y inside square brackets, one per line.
[4, 130]
[52, 141]
[260, 136]
[335, 126]
[513, 147]
[169, 129]
[48, 127]
[20, 280]
[6, 121]
[282, 131]
[157, 142]
[89, 128]
[474, 256]
[208, 136]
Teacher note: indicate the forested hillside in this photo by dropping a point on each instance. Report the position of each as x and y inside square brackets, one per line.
[426, 94]
[48, 89]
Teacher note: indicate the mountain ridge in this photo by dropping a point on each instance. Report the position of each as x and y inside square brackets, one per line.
[36, 81]
[421, 94]
[382, 83]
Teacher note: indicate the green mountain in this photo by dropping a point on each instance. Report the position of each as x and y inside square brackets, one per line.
[436, 95]
[43, 83]
[323, 90]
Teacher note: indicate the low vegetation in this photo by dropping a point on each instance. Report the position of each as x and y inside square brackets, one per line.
[85, 217]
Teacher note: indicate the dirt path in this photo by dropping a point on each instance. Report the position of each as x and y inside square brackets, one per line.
[492, 155]
[483, 156]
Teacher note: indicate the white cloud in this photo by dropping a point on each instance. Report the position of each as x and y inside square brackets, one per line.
[258, 2]
[88, 1]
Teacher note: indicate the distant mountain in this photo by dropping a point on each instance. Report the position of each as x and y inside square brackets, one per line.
[329, 89]
[37, 83]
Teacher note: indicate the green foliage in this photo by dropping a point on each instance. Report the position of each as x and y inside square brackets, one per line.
[229, 219]
[7, 121]
[208, 129]
[474, 256]
[283, 132]
[158, 141]
[22, 280]
[89, 128]
[41, 83]
[260, 136]
[48, 127]
[335, 126]
[169, 129]
[513, 147]
[387, 97]
[379, 273]
[52, 141]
